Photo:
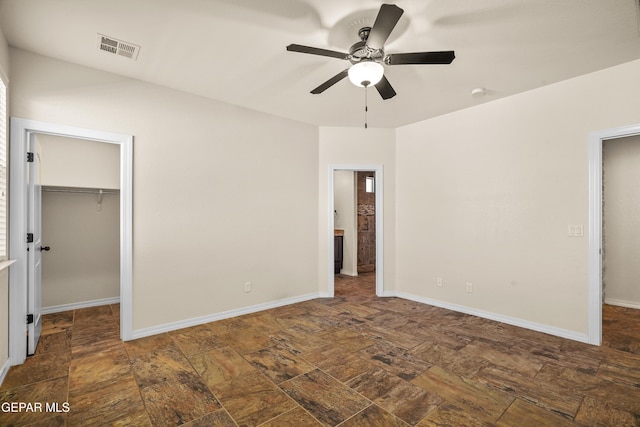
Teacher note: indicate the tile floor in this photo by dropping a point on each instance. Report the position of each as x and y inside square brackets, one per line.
[354, 360]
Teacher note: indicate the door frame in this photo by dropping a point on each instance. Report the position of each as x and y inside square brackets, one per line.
[379, 181]
[596, 140]
[22, 130]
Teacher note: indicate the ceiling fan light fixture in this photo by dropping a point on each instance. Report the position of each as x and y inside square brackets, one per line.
[366, 73]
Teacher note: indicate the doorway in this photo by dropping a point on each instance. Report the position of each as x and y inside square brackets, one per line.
[346, 219]
[596, 294]
[23, 133]
[80, 183]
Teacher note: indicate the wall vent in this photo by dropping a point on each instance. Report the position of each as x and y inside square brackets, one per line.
[118, 47]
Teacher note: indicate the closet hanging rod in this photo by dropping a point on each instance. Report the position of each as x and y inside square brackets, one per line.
[80, 190]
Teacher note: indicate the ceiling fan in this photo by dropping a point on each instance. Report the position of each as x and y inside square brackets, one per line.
[367, 55]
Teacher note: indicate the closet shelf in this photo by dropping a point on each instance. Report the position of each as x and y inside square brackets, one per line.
[85, 190]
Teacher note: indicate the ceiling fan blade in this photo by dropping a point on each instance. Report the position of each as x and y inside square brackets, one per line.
[442, 57]
[387, 18]
[317, 51]
[384, 88]
[333, 80]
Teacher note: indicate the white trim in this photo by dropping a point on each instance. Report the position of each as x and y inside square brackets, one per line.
[551, 330]
[595, 225]
[4, 370]
[195, 321]
[622, 303]
[77, 305]
[21, 132]
[379, 186]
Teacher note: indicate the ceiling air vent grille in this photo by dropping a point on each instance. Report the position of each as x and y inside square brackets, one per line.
[118, 47]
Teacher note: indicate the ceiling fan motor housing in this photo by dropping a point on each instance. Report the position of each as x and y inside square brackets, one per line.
[359, 51]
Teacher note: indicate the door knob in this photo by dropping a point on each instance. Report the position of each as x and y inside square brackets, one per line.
[45, 248]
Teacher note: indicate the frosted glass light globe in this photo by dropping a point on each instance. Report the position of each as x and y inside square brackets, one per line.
[366, 73]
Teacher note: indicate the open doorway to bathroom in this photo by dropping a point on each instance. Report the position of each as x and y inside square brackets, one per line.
[355, 243]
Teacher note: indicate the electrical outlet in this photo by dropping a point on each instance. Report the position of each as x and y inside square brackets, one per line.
[247, 286]
[469, 287]
[439, 282]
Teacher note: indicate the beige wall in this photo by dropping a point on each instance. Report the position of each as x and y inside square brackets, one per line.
[621, 221]
[222, 195]
[84, 261]
[366, 147]
[4, 277]
[70, 162]
[485, 195]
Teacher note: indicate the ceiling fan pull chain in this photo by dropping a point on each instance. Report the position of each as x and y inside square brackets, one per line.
[366, 108]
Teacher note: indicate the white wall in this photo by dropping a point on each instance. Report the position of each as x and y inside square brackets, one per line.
[344, 185]
[222, 195]
[70, 162]
[621, 221]
[366, 147]
[485, 195]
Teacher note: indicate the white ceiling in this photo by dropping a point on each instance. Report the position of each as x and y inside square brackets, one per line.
[234, 50]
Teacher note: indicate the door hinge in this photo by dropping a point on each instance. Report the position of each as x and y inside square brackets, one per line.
[29, 157]
[29, 237]
[29, 319]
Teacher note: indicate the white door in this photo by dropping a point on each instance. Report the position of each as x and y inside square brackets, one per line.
[34, 250]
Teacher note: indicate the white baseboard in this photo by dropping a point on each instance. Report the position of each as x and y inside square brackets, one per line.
[168, 327]
[551, 330]
[77, 305]
[622, 303]
[4, 370]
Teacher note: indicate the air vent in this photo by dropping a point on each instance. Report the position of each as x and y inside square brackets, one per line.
[118, 47]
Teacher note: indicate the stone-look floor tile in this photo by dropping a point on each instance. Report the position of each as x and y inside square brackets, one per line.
[395, 395]
[247, 340]
[623, 368]
[484, 371]
[159, 366]
[220, 365]
[296, 417]
[252, 399]
[54, 343]
[41, 392]
[56, 322]
[298, 341]
[374, 416]
[113, 403]
[502, 358]
[196, 340]
[150, 344]
[448, 414]
[544, 393]
[91, 370]
[479, 400]
[525, 414]
[597, 413]
[218, 418]
[177, 401]
[554, 354]
[36, 368]
[325, 398]
[339, 363]
[450, 359]
[346, 339]
[278, 364]
[394, 359]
